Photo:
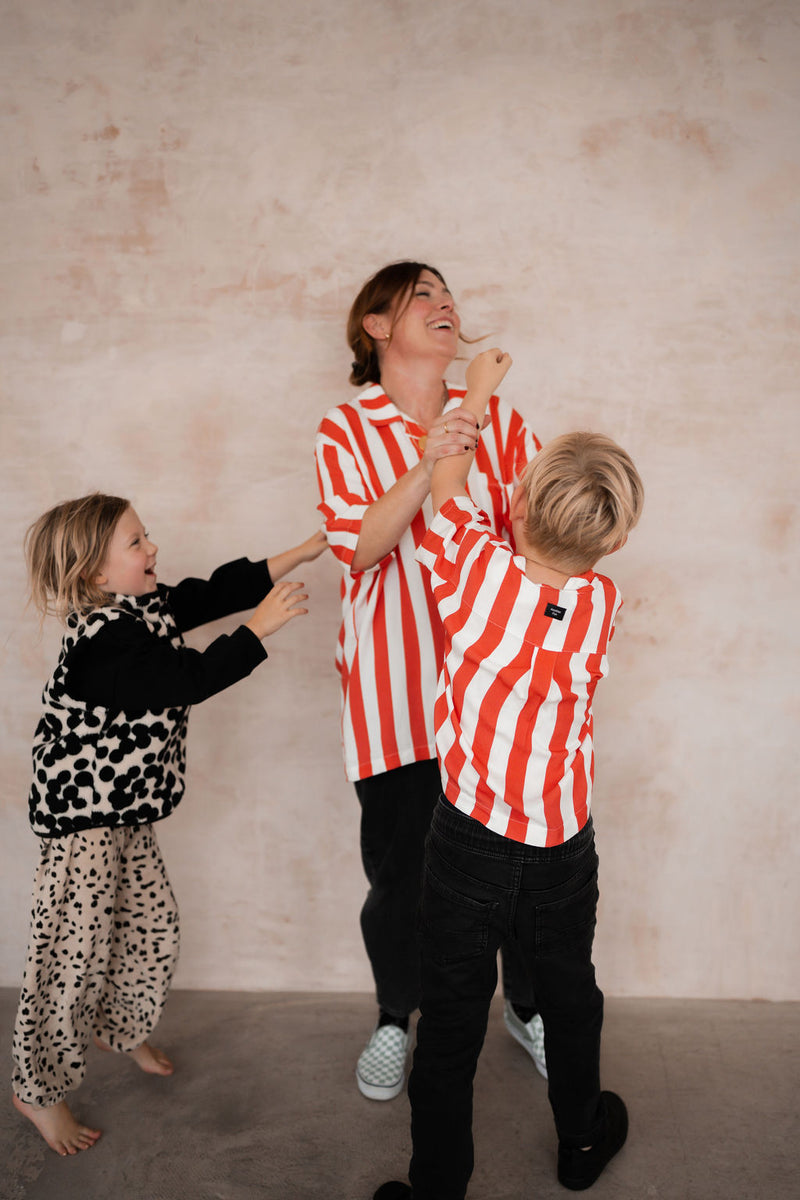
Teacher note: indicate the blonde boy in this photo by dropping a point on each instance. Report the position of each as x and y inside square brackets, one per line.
[511, 850]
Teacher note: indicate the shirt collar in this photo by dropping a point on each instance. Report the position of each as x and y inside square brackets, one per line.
[380, 410]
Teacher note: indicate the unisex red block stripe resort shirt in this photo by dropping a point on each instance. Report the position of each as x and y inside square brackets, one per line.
[390, 643]
[522, 660]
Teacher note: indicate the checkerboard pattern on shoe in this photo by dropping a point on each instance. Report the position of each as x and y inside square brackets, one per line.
[381, 1069]
[530, 1036]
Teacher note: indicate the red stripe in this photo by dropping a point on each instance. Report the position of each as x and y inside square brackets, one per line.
[382, 684]
[393, 450]
[353, 690]
[482, 648]
[516, 451]
[496, 429]
[337, 478]
[374, 402]
[609, 595]
[464, 674]
[580, 621]
[359, 437]
[561, 775]
[580, 792]
[332, 521]
[411, 652]
[410, 636]
[554, 774]
[490, 717]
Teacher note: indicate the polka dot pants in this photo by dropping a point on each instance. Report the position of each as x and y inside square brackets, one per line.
[103, 948]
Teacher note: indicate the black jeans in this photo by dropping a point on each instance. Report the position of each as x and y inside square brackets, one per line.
[480, 890]
[396, 810]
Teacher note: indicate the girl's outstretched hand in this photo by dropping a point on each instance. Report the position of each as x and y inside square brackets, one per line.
[486, 371]
[281, 564]
[312, 547]
[278, 606]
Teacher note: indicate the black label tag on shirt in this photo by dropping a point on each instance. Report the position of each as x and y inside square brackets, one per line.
[555, 611]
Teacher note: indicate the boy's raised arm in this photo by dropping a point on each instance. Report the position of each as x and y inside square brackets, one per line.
[484, 373]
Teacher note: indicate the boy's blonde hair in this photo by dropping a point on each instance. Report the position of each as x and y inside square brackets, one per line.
[65, 550]
[584, 496]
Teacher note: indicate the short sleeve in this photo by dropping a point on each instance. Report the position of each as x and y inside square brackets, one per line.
[459, 536]
[345, 494]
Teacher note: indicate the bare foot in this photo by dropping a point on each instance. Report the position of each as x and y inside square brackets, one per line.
[147, 1057]
[151, 1060]
[58, 1127]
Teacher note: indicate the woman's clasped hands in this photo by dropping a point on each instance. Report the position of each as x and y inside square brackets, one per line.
[455, 432]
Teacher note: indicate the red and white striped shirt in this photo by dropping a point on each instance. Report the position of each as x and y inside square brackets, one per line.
[390, 643]
[514, 707]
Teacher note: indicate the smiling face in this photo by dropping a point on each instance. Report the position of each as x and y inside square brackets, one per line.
[129, 565]
[424, 323]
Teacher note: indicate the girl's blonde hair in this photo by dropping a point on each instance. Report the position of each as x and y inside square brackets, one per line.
[584, 495]
[65, 550]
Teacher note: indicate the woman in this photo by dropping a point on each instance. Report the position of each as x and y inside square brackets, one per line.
[374, 457]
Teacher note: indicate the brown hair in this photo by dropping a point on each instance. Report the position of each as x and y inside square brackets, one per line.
[584, 496]
[65, 550]
[377, 296]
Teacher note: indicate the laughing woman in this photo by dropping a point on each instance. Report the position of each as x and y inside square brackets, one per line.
[374, 457]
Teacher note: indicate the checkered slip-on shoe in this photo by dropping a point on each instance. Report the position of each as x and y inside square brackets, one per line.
[531, 1036]
[381, 1069]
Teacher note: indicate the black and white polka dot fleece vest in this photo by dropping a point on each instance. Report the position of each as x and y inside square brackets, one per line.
[93, 766]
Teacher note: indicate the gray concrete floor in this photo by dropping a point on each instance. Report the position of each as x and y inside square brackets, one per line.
[263, 1104]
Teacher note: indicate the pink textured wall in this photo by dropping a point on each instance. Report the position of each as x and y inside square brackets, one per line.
[191, 194]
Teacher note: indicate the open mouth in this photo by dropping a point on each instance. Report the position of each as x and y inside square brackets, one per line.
[441, 325]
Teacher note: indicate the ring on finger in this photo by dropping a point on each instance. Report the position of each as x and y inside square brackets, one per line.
[445, 427]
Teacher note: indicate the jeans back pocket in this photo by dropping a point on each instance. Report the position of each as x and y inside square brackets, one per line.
[453, 926]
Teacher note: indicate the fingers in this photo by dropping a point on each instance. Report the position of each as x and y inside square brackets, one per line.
[280, 605]
[288, 595]
[488, 368]
[316, 544]
[456, 433]
[289, 600]
[496, 356]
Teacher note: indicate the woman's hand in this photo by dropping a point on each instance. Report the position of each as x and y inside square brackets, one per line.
[455, 432]
[486, 371]
[278, 606]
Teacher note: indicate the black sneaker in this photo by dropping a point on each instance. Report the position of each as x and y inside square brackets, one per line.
[579, 1169]
[393, 1191]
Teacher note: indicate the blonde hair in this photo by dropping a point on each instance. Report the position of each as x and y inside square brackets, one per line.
[584, 496]
[65, 550]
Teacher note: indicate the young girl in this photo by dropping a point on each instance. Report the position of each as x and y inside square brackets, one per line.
[109, 755]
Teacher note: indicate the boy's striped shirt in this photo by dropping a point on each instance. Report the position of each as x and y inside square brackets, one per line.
[390, 643]
[513, 710]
